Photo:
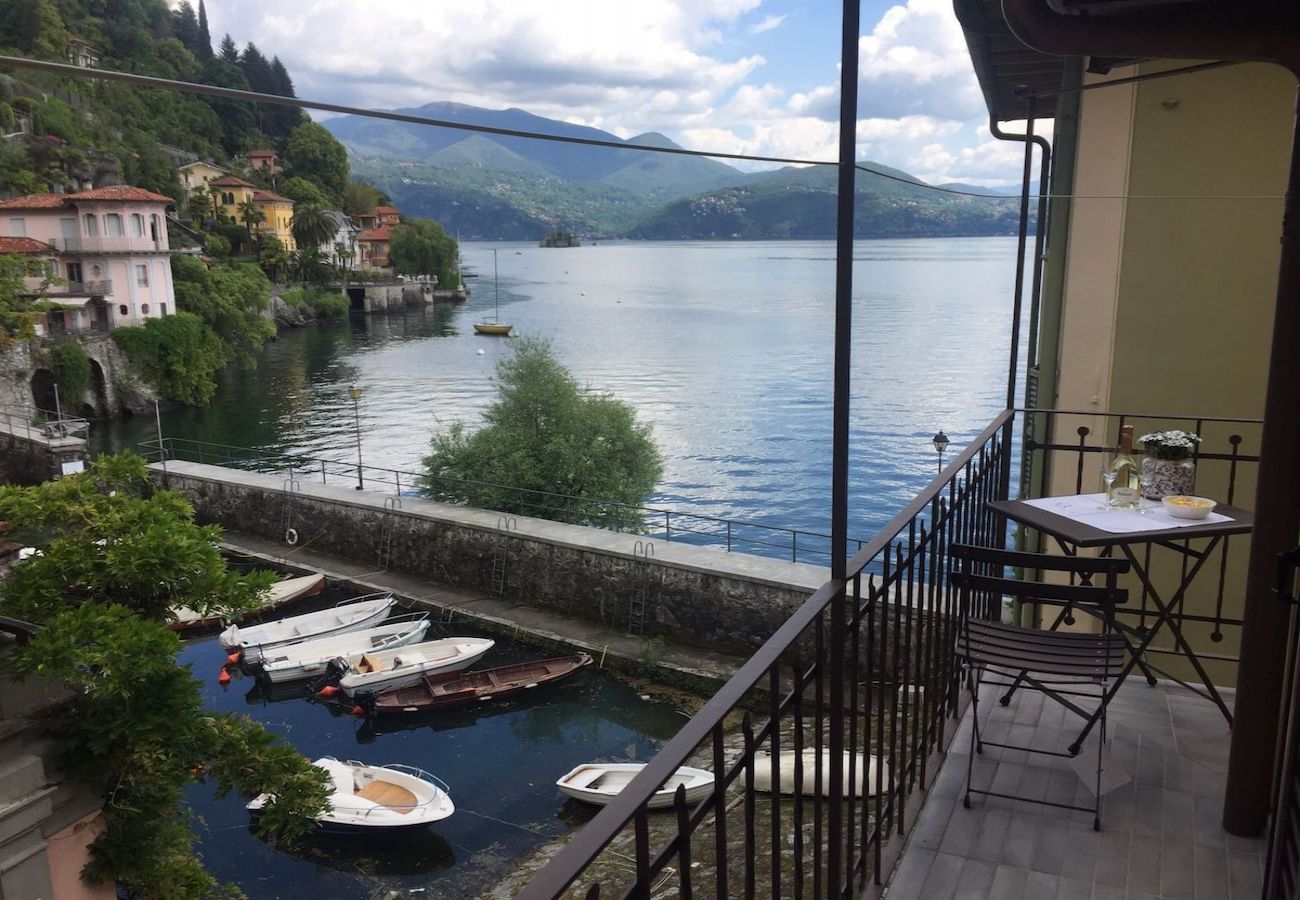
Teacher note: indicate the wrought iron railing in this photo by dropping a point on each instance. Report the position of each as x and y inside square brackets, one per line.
[735, 535]
[42, 425]
[862, 671]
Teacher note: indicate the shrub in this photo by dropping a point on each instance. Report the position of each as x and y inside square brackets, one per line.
[71, 368]
[218, 246]
[179, 354]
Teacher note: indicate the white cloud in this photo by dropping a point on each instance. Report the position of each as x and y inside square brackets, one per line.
[769, 23]
[681, 67]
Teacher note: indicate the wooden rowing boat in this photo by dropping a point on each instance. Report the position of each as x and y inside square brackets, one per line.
[450, 690]
[600, 783]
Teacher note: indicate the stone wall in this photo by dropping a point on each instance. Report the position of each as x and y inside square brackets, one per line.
[114, 385]
[703, 596]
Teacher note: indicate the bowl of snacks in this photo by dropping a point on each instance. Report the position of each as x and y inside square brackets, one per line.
[1181, 506]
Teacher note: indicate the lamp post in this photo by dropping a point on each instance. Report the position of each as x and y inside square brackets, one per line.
[940, 444]
[355, 393]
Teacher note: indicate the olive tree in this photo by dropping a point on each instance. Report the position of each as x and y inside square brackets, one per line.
[548, 448]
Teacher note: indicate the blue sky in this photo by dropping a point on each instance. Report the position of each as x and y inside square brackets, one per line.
[747, 76]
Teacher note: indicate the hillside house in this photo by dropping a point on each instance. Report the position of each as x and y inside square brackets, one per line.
[277, 212]
[341, 249]
[82, 53]
[263, 159]
[198, 175]
[108, 247]
[372, 247]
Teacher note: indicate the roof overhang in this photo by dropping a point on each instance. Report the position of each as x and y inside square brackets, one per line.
[1007, 70]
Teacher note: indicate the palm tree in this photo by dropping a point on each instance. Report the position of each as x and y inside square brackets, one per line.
[250, 215]
[310, 265]
[312, 226]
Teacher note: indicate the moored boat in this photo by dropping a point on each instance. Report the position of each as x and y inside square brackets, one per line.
[450, 690]
[855, 766]
[374, 798]
[282, 593]
[492, 328]
[353, 615]
[600, 783]
[385, 670]
[308, 659]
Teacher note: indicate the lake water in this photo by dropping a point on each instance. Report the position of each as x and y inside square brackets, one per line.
[500, 761]
[725, 348]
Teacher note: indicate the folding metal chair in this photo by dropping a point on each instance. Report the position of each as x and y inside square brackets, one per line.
[1061, 665]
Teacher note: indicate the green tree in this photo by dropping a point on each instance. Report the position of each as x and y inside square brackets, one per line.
[18, 314]
[314, 154]
[272, 256]
[360, 197]
[71, 368]
[250, 215]
[544, 434]
[205, 36]
[311, 226]
[179, 354]
[300, 190]
[421, 247]
[115, 556]
[310, 265]
[199, 206]
[229, 300]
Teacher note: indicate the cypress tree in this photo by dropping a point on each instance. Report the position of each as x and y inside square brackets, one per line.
[205, 39]
[256, 69]
[186, 28]
[229, 51]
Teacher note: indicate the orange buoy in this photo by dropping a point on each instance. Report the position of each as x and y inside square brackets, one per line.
[330, 690]
[358, 710]
[234, 658]
[224, 677]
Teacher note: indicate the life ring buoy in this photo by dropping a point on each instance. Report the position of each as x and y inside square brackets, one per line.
[291, 536]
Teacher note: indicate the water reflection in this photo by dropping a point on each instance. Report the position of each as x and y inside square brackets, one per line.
[409, 851]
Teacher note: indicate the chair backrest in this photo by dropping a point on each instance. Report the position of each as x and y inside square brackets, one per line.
[981, 569]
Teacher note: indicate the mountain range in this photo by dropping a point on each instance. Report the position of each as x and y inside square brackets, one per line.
[490, 186]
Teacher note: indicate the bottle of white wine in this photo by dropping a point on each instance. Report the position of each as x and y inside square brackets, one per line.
[1126, 486]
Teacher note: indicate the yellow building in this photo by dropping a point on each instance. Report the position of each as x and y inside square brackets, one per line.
[198, 174]
[230, 193]
[277, 215]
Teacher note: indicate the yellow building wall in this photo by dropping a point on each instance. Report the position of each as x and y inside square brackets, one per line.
[231, 210]
[279, 221]
[1171, 282]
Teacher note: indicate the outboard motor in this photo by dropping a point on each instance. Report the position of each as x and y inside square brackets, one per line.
[326, 687]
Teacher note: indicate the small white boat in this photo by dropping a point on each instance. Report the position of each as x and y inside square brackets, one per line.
[374, 798]
[294, 662]
[281, 593]
[353, 615]
[385, 670]
[600, 783]
[855, 766]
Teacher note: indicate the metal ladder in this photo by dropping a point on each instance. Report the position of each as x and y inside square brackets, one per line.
[291, 486]
[500, 554]
[644, 551]
[387, 523]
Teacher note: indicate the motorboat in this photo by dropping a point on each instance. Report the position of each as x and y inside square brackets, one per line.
[386, 670]
[453, 689]
[863, 771]
[253, 641]
[373, 798]
[600, 783]
[282, 593]
[309, 659]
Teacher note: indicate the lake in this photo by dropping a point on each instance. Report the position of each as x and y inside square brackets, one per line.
[724, 347]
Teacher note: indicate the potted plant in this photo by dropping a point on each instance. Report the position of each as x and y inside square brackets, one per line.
[1167, 468]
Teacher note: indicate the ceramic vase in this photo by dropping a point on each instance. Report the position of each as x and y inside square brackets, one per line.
[1163, 477]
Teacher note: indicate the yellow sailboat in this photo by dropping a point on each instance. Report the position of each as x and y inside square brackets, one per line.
[496, 326]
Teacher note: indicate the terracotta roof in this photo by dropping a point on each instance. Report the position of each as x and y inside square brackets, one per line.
[229, 181]
[382, 233]
[36, 201]
[24, 245]
[269, 197]
[121, 192]
[260, 153]
[385, 211]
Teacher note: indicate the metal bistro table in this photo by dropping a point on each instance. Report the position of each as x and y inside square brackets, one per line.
[1072, 534]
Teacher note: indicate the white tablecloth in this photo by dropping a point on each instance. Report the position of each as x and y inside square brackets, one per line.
[1090, 509]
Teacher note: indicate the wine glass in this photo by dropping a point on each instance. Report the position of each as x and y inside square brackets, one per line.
[1107, 479]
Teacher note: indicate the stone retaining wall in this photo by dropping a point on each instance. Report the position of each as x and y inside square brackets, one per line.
[703, 596]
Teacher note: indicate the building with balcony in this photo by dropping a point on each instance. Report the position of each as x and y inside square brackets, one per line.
[110, 253]
[230, 193]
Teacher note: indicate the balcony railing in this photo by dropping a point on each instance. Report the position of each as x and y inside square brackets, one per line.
[99, 288]
[863, 667]
[109, 245]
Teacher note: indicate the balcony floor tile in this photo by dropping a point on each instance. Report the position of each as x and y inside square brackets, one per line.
[1160, 838]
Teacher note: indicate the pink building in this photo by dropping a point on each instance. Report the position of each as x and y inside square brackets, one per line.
[109, 249]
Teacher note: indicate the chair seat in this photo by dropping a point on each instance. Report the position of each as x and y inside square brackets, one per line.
[1053, 653]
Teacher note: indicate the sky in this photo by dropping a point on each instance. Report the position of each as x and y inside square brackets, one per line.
[738, 76]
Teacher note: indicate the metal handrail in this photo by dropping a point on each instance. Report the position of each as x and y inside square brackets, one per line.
[954, 498]
[46, 423]
[687, 527]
